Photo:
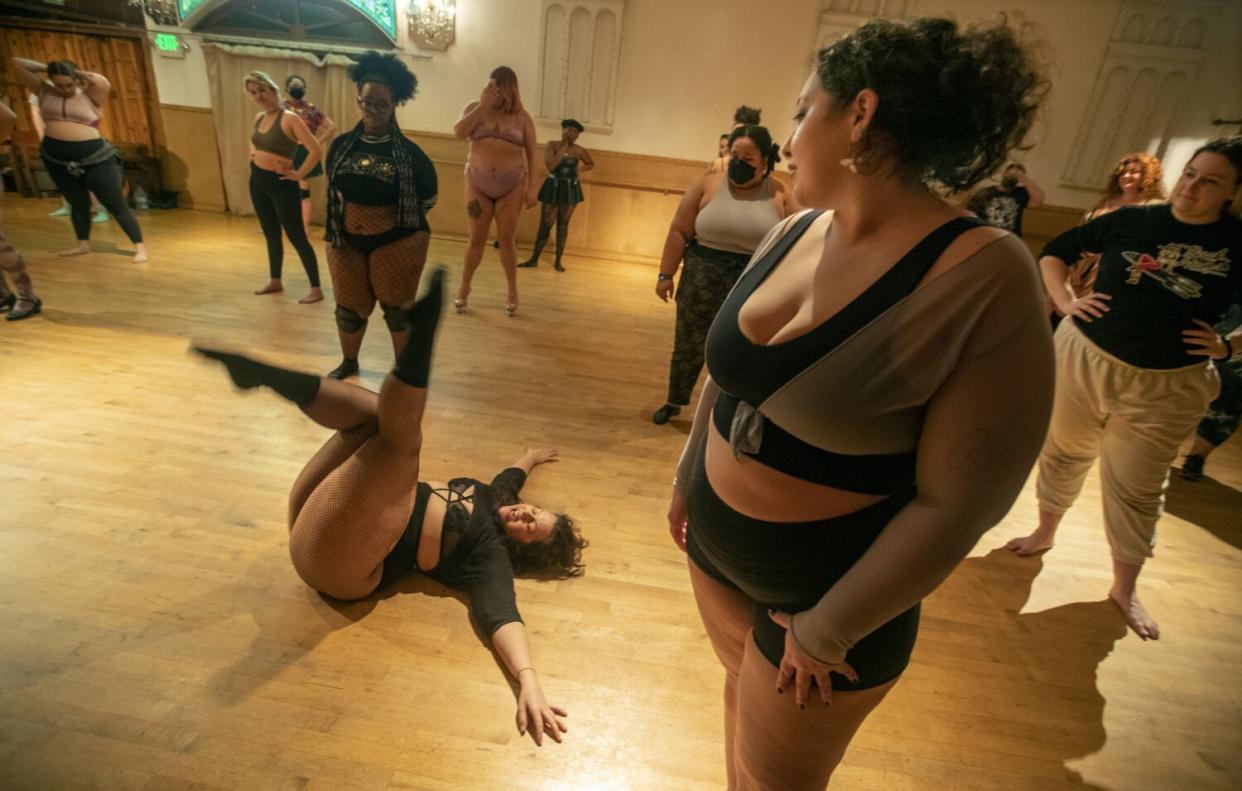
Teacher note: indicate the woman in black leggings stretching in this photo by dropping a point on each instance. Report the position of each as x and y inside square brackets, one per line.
[77, 157]
[274, 183]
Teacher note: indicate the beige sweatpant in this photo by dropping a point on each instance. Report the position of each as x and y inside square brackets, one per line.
[1134, 420]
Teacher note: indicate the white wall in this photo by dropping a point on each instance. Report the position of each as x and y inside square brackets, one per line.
[685, 66]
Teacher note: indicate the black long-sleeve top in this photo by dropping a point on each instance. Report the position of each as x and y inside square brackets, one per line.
[1160, 275]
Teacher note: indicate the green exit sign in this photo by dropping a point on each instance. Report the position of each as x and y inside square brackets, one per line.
[167, 42]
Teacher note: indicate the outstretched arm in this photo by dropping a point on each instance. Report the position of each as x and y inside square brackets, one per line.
[533, 710]
[533, 457]
[28, 72]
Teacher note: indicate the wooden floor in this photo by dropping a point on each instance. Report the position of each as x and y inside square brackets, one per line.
[153, 634]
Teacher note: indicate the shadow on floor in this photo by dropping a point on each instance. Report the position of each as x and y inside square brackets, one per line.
[1208, 503]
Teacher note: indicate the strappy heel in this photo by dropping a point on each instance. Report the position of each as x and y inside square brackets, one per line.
[511, 309]
[460, 305]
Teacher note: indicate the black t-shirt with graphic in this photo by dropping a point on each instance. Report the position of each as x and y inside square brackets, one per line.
[1161, 275]
[1001, 207]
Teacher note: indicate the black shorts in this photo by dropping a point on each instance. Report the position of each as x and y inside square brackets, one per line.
[404, 556]
[790, 565]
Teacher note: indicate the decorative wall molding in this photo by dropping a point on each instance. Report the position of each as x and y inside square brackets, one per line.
[580, 53]
[841, 17]
[1152, 62]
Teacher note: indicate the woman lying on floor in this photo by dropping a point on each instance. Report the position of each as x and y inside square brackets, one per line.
[360, 518]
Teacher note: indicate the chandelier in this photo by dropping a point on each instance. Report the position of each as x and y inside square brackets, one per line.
[433, 23]
[162, 12]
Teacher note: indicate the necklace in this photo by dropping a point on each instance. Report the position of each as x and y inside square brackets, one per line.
[376, 139]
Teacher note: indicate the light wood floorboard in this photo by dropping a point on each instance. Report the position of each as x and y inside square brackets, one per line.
[153, 634]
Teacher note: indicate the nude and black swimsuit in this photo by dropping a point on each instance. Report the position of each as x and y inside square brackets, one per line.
[785, 565]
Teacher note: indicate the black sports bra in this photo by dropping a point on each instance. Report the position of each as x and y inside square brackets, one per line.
[749, 373]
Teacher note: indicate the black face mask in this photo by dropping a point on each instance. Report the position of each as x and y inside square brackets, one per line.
[741, 172]
[297, 92]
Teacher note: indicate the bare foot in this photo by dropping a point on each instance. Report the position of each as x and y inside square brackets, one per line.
[1039, 541]
[273, 287]
[1136, 614]
[313, 296]
[140, 254]
[82, 248]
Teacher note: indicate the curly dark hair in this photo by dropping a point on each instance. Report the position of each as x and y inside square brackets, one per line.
[762, 139]
[953, 103]
[558, 558]
[388, 70]
[747, 115]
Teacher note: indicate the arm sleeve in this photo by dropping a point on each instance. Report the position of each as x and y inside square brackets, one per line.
[982, 433]
[426, 182]
[1090, 237]
[488, 580]
[508, 483]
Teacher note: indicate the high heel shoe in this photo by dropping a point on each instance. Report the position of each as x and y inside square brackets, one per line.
[511, 309]
[8, 302]
[460, 305]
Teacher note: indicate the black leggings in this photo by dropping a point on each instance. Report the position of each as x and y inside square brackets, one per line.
[104, 179]
[790, 565]
[278, 204]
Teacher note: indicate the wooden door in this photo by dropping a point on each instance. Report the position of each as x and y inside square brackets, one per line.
[126, 116]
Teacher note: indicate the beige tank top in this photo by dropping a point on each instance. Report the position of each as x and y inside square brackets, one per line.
[733, 225]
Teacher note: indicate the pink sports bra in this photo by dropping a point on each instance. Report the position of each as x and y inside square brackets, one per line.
[76, 109]
[515, 136]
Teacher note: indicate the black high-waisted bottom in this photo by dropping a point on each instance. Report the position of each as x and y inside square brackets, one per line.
[404, 556]
[789, 565]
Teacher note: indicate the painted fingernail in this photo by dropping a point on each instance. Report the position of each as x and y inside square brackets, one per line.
[801, 705]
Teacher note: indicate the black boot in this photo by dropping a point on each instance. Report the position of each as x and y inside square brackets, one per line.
[540, 240]
[248, 374]
[414, 363]
[665, 412]
[347, 368]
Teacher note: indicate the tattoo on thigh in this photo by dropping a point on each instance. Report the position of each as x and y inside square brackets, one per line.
[474, 209]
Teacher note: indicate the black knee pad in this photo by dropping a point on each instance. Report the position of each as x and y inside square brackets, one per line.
[305, 194]
[349, 321]
[396, 318]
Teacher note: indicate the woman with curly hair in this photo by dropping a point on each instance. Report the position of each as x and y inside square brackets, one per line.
[380, 187]
[1137, 180]
[499, 182]
[360, 518]
[861, 428]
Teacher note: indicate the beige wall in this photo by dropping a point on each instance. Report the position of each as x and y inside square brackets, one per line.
[191, 161]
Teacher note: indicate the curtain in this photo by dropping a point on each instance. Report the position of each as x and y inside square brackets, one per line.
[327, 85]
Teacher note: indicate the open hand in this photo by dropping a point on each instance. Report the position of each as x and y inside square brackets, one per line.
[542, 455]
[1092, 306]
[1204, 341]
[535, 714]
[664, 289]
[800, 668]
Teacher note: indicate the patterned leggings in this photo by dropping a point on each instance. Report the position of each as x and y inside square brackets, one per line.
[706, 279]
[14, 267]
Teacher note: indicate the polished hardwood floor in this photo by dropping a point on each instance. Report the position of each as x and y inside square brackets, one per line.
[153, 634]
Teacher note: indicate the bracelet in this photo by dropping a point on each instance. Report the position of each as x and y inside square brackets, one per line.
[662, 277]
[523, 670]
[1229, 352]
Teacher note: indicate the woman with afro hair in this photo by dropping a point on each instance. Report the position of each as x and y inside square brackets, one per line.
[380, 188]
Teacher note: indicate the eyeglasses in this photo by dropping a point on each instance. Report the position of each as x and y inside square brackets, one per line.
[373, 107]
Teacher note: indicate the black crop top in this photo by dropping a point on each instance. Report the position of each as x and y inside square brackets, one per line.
[751, 373]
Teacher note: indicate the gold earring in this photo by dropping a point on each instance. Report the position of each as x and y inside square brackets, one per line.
[849, 163]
